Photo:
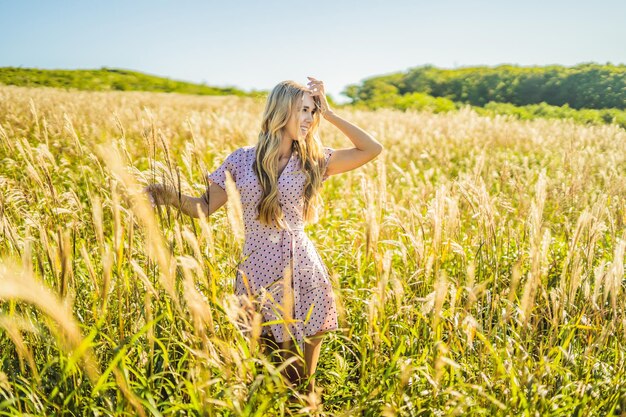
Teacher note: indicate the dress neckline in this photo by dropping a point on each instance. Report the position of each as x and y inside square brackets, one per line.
[286, 165]
[291, 157]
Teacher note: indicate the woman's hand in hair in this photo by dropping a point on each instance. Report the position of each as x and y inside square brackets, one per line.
[316, 89]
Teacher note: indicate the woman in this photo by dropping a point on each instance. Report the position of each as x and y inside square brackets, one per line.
[279, 180]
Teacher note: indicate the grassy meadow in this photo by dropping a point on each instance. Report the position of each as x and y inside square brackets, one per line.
[478, 265]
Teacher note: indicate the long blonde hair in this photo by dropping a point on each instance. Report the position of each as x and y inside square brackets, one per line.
[285, 100]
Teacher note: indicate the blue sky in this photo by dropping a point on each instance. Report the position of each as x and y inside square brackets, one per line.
[256, 44]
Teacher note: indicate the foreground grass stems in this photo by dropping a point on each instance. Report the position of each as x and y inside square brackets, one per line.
[478, 265]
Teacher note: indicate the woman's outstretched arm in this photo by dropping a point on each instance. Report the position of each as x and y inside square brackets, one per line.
[209, 202]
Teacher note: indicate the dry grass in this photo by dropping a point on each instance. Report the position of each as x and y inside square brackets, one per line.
[478, 265]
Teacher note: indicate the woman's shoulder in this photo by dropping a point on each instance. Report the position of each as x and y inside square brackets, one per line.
[246, 152]
[245, 149]
[242, 152]
[248, 149]
[241, 157]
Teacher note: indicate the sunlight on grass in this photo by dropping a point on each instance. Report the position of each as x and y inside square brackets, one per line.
[478, 265]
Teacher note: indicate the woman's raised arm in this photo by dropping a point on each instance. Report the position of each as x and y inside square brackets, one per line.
[365, 148]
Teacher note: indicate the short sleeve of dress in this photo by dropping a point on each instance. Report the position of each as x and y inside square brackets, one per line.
[230, 164]
[327, 153]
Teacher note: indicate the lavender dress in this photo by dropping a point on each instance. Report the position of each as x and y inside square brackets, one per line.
[271, 256]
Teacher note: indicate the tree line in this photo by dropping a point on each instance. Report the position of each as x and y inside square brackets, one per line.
[588, 86]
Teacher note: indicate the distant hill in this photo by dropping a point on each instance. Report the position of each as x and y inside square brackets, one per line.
[584, 86]
[108, 79]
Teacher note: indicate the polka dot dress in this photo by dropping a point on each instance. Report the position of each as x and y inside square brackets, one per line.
[280, 269]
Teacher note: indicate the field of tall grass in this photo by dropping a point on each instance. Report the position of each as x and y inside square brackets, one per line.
[478, 265]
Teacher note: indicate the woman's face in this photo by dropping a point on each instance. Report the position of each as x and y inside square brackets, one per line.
[301, 120]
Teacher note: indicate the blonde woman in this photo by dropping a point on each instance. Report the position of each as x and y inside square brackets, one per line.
[279, 180]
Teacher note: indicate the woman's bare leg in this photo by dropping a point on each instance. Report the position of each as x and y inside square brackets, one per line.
[297, 371]
[312, 349]
[280, 352]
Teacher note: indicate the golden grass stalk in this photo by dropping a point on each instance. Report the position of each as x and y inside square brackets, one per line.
[598, 274]
[33, 110]
[234, 209]
[372, 225]
[20, 285]
[128, 393]
[4, 136]
[14, 325]
[516, 275]
[441, 291]
[96, 215]
[9, 231]
[539, 256]
[144, 279]
[90, 270]
[118, 227]
[383, 281]
[198, 307]
[201, 313]
[51, 252]
[207, 233]
[615, 276]
[436, 214]
[538, 250]
[107, 273]
[27, 251]
[381, 186]
[154, 242]
[65, 256]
